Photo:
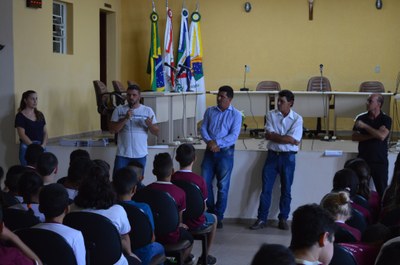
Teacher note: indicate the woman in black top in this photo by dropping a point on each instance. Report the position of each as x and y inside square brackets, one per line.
[30, 124]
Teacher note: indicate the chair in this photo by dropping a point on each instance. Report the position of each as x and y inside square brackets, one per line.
[166, 219]
[318, 83]
[105, 103]
[391, 218]
[17, 219]
[51, 247]
[357, 220]
[267, 86]
[102, 240]
[344, 236]
[372, 86]
[342, 256]
[195, 207]
[141, 231]
[363, 253]
[119, 89]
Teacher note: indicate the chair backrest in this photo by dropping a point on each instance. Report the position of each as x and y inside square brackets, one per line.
[164, 209]
[342, 256]
[343, 235]
[51, 247]
[119, 89]
[315, 82]
[194, 199]
[102, 96]
[17, 219]
[357, 220]
[141, 231]
[363, 253]
[268, 86]
[102, 239]
[372, 86]
[130, 82]
[391, 218]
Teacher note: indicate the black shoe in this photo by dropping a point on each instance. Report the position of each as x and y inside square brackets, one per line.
[283, 225]
[220, 225]
[211, 260]
[257, 225]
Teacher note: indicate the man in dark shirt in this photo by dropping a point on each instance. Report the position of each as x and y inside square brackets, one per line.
[371, 130]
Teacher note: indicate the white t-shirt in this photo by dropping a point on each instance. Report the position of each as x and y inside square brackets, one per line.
[132, 139]
[72, 236]
[119, 218]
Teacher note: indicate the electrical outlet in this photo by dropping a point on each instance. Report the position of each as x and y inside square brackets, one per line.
[377, 69]
[247, 68]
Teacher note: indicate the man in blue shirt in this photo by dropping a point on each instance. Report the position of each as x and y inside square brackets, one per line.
[220, 130]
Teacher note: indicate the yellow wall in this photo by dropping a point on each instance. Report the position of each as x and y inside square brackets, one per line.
[277, 41]
[63, 81]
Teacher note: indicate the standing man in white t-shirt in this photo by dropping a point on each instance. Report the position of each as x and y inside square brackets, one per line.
[132, 122]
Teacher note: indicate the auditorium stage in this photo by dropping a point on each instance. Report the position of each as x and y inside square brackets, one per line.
[313, 175]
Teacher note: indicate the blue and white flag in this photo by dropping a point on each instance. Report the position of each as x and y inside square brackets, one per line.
[184, 74]
[196, 56]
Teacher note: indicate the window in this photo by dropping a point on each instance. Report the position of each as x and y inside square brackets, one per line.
[59, 27]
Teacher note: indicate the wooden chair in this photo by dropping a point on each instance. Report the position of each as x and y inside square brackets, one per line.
[372, 86]
[120, 90]
[106, 102]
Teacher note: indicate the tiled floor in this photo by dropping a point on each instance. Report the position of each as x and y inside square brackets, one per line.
[236, 244]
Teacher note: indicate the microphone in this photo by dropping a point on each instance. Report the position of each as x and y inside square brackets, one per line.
[244, 80]
[185, 67]
[321, 68]
[170, 66]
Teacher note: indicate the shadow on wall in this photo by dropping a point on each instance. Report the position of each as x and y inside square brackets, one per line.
[8, 145]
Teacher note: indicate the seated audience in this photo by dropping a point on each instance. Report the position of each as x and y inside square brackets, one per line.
[347, 180]
[361, 168]
[162, 168]
[186, 155]
[77, 154]
[11, 182]
[78, 170]
[32, 155]
[313, 234]
[13, 250]
[54, 204]
[338, 205]
[47, 166]
[390, 197]
[139, 170]
[125, 184]
[29, 186]
[95, 195]
[273, 254]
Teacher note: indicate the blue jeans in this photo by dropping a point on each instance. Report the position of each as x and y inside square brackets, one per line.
[22, 152]
[218, 165]
[284, 165]
[121, 161]
[147, 252]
